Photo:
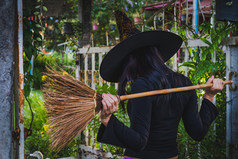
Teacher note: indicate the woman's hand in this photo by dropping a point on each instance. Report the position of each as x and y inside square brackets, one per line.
[212, 91]
[110, 105]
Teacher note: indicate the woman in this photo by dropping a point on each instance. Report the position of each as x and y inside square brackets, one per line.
[154, 119]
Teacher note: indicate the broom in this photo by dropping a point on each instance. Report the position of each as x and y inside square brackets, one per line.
[71, 105]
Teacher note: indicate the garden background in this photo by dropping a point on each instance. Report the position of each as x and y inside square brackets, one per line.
[53, 37]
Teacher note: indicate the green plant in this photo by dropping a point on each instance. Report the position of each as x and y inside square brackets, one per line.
[102, 14]
[39, 140]
[73, 40]
[32, 41]
[201, 68]
[55, 61]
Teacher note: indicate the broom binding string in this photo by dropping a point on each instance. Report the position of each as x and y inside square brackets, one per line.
[95, 102]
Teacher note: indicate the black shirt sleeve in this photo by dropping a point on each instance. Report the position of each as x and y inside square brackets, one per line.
[197, 122]
[135, 137]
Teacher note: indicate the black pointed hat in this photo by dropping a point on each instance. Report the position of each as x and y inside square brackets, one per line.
[125, 26]
[131, 39]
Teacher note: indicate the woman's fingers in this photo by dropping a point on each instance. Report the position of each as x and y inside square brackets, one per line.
[217, 86]
[210, 80]
[108, 103]
[111, 103]
[115, 102]
[108, 100]
[113, 99]
[104, 113]
[105, 107]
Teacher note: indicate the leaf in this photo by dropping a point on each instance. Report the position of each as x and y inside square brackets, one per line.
[38, 25]
[37, 7]
[29, 68]
[38, 39]
[44, 9]
[188, 64]
[27, 90]
[219, 40]
[220, 50]
[204, 55]
[36, 13]
[215, 47]
[207, 42]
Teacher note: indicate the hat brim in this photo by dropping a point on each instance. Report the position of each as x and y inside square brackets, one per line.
[112, 65]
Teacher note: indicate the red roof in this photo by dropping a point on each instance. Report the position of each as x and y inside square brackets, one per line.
[205, 5]
[161, 4]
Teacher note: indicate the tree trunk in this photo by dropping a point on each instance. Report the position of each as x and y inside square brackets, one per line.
[84, 16]
[85, 7]
[86, 22]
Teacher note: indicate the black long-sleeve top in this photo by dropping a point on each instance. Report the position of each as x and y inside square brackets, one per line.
[154, 124]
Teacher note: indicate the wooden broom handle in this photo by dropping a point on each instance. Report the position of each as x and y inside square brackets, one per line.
[171, 90]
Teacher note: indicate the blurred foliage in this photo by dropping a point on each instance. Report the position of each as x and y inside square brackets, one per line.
[214, 144]
[55, 61]
[41, 35]
[32, 41]
[73, 40]
[39, 67]
[200, 63]
[103, 15]
[201, 67]
[39, 140]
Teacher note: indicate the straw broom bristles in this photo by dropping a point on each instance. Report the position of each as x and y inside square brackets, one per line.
[70, 105]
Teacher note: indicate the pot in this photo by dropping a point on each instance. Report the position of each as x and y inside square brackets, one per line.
[95, 27]
[137, 20]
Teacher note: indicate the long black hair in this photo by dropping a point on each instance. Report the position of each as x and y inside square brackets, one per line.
[146, 62]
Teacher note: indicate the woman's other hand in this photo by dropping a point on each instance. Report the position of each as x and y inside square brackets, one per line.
[110, 105]
[212, 91]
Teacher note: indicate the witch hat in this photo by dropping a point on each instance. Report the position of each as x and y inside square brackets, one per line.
[131, 39]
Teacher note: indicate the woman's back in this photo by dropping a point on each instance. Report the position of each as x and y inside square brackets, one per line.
[165, 116]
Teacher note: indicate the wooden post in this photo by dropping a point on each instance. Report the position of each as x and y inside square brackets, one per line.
[8, 48]
[99, 63]
[155, 17]
[232, 100]
[20, 81]
[186, 60]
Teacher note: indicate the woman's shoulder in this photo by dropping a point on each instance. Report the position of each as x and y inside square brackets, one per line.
[176, 79]
[141, 83]
[141, 80]
[184, 80]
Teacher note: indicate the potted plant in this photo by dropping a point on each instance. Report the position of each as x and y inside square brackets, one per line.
[158, 19]
[183, 15]
[71, 27]
[95, 24]
[137, 18]
[112, 23]
[68, 28]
